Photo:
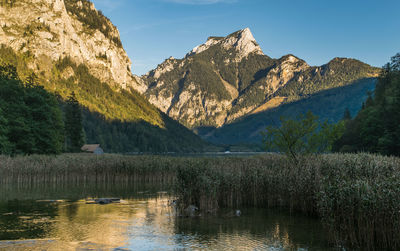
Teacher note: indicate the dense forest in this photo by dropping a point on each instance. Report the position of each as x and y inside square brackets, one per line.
[376, 128]
[30, 118]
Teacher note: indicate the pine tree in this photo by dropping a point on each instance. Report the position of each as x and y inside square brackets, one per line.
[73, 125]
[45, 120]
[5, 146]
[346, 115]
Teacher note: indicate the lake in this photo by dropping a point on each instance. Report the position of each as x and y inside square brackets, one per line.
[57, 217]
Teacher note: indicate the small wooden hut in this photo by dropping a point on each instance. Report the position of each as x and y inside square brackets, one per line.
[95, 149]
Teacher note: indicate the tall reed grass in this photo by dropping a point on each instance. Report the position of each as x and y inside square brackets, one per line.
[357, 197]
[81, 168]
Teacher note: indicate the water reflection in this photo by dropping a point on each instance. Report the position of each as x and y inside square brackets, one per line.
[143, 221]
[256, 229]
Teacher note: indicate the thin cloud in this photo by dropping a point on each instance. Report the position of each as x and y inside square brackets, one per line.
[200, 2]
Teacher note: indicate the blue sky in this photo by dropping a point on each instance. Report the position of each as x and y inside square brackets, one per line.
[314, 30]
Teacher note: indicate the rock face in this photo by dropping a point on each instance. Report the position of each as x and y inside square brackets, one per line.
[49, 30]
[227, 78]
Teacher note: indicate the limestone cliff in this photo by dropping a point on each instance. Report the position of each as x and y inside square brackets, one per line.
[49, 30]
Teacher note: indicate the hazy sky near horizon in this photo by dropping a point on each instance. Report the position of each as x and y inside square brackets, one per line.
[314, 30]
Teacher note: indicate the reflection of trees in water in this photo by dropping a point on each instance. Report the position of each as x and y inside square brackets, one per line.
[25, 219]
[71, 210]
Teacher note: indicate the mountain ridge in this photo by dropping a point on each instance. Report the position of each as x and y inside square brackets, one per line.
[229, 77]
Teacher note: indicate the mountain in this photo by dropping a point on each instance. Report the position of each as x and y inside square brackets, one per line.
[72, 47]
[228, 78]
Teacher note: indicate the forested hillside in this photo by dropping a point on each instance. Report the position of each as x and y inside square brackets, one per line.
[376, 128]
[30, 118]
[120, 120]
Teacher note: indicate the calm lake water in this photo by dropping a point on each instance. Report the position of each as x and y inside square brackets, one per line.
[56, 217]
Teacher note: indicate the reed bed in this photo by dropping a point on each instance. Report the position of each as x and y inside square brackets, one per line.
[356, 196]
[85, 168]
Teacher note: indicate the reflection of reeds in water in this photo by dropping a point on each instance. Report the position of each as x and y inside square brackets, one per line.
[256, 229]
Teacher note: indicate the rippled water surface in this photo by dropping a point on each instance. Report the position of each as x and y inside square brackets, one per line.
[58, 218]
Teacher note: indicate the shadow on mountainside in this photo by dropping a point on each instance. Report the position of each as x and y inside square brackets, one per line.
[327, 105]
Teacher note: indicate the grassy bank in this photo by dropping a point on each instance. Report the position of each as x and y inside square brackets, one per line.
[357, 197]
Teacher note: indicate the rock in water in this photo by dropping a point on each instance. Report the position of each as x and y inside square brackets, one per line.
[103, 201]
[238, 213]
[191, 211]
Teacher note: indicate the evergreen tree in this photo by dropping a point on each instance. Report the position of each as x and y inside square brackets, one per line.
[12, 94]
[5, 146]
[346, 115]
[73, 125]
[45, 120]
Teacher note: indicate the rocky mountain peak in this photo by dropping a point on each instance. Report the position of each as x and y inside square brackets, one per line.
[164, 67]
[242, 41]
